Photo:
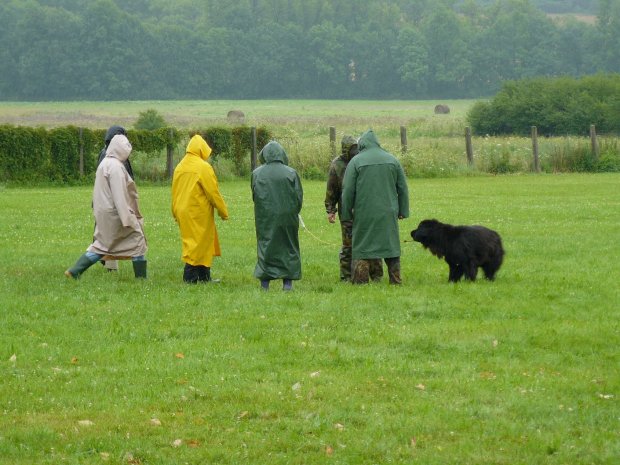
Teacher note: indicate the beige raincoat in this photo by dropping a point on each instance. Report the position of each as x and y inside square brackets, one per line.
[118, 228]
[195, 195]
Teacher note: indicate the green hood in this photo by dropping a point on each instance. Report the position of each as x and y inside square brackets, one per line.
[271, 152]
[368, 140]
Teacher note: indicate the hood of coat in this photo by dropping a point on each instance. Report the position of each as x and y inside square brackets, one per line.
[199, 147]
[368, 140]
[113, 131]
[119, 148]
[346, 144]
[271, 152]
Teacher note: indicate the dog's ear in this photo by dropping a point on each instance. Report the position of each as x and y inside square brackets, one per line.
[413, 232]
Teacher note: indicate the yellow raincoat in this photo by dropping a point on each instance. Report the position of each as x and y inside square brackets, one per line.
[195, 194]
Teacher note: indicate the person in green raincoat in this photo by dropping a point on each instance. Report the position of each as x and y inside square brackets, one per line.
[375, 196]
[277, 196]
[195, 197]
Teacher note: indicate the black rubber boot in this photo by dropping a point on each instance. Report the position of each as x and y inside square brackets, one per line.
[190, 274]
[204, 273]
[139, 268]
[82, 264]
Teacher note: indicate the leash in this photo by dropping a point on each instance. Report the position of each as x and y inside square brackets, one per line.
[303, 225]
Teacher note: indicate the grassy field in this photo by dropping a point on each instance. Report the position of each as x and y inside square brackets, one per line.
[196, 113]
[112, 370]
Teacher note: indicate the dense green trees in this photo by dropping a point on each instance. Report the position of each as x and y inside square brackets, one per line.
[157, 49]
[555, 106]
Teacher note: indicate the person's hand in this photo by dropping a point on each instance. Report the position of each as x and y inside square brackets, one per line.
[331, 217]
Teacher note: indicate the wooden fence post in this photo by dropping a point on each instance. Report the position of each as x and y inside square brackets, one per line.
[332, 140]
[403, 140]
[535, 149]
[253, 150]
[468, 146]
[594, 142]
[170, 153]
[81, 150]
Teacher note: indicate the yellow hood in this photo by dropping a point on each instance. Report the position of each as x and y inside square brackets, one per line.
[198, 146]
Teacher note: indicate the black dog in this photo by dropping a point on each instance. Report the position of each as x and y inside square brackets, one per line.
[465, 248]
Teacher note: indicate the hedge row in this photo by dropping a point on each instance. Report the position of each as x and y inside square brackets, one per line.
[556, 106]
[37, 154]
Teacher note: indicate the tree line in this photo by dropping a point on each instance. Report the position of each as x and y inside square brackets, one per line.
[250, 49]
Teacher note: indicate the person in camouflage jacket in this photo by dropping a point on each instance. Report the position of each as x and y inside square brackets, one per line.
[333, 205]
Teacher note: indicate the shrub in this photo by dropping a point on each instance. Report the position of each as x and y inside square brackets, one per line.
[150, 120]
[556, 106]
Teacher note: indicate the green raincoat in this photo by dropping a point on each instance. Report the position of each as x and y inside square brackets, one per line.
[374, 196]
[277, 195]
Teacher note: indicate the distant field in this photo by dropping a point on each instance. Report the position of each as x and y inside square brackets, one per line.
[203, 113]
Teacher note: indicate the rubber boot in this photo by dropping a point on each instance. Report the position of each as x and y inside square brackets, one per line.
[204, 273]
[287, 284]
[264, 284]
[139, 268]
[82, 264]
[190, 274]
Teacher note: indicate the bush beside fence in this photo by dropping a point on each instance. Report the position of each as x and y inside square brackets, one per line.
[69, 154]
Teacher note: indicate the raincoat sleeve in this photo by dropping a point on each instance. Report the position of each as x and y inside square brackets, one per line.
[332, 194]
[403, 193]
[118, 187]
[209, 184]
[348, 192]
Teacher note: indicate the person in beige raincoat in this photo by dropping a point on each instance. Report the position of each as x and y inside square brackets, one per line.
[195, 196]
[119, 232]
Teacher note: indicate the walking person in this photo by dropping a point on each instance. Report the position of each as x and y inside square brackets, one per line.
[278, 197]
[195, 197]
[112, 265]
[375, 196]
[119, 232]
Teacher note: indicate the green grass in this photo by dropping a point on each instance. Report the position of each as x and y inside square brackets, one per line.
[522, 370]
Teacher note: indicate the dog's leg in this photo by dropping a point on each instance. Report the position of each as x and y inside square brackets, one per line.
[489, 271]
[456, 272]
[471, 270]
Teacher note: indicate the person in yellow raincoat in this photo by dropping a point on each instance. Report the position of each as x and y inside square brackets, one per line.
[195, 196]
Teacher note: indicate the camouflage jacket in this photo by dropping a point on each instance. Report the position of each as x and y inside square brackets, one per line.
[334, 184]
[336, 174]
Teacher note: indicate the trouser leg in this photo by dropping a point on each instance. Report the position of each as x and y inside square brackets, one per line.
[346, 250]
[287, 284]
[393, 266]
[360, 271]
[375, 269]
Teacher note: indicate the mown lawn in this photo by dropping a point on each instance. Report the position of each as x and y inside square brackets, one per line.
[112, 370]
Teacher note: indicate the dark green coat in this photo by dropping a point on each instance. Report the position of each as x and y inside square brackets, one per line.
[374, 195]
[277, 195]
